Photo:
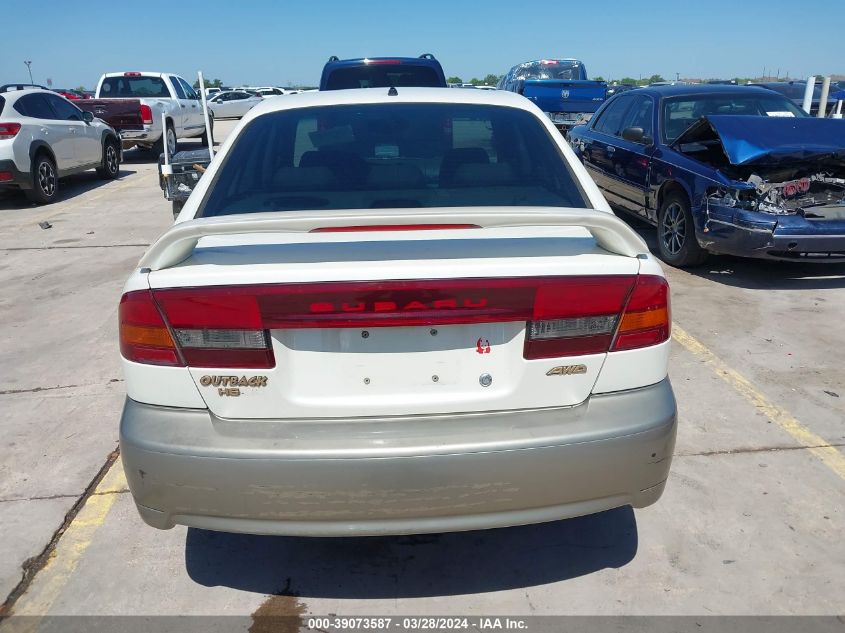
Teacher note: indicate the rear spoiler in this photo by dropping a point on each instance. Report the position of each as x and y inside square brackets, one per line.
[177, 244]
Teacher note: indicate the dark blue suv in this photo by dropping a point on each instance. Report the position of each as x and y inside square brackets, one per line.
[383, 72]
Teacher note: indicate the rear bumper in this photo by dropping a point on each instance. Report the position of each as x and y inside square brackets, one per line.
[398, 475]
[19, 179]
[147, 136]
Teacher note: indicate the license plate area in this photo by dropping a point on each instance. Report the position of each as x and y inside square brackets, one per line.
[391, 361]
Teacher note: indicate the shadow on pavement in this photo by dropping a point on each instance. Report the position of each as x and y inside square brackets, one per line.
[69, 187]
[413, 566]
[742, 272]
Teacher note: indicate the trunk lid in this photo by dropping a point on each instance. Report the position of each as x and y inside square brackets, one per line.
[390, 323]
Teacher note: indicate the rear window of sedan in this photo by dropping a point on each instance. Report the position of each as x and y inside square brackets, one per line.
[392, 156]
[2, 104]
[681, 112]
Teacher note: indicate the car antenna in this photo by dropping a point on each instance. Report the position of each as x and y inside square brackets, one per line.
[393, 92]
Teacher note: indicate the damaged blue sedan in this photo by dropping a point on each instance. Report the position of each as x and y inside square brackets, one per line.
[721, 169]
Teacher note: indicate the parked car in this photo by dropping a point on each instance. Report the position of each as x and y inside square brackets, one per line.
[233, 104]
[45, 137]
[72, 95]
[559, 87]
[721, 169]
[270, 92]
[133, 104]
[794, 90]
[383, 72]
[614, 89]
[212, 91]
[393, 331]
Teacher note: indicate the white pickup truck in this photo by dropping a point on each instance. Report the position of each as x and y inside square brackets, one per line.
[394, 311]
[133, 102]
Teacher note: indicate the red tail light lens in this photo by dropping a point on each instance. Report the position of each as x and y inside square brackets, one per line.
[227, 326]
[394, 227]
[648, 316]
[144, 336]
[9, 130]
[146, 114]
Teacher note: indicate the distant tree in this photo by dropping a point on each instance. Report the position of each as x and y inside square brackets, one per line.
[598, 78]
[454, 80]
[79, 89]
[654, 79]
[628, 80]
[491, 79]
[475, 81]
[209, 83]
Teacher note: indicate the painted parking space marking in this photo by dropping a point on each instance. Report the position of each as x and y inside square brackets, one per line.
[817, 445]
[72, 545]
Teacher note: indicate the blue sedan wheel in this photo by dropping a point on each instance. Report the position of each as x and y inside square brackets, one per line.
[676, 239]
[673, 229]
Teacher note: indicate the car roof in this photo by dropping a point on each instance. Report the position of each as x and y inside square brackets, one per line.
[134, 73]
[14, 95]
[358, 60]
[692, 90]
[362, 96]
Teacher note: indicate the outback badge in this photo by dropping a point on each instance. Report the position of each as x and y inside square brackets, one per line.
[230, 385]
[567, 370]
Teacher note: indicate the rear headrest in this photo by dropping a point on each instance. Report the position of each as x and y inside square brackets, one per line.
[395, 176]
[460, 156]
[481, 175]
[305, 178]
[347, 167]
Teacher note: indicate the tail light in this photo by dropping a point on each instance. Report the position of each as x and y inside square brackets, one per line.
[9, 130]
[227, 326]
[596, 326]
[647, 318]
[146, 114]
[393, 227]
[146, 337]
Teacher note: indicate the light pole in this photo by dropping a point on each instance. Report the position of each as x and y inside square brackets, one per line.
[29, 68]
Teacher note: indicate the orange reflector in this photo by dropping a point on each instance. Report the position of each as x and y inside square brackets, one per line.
[148, 336]
[642, 320]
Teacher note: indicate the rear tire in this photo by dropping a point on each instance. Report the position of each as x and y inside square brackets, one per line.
[168, 136]
[110, 168]
[45, 180]
[676, 241]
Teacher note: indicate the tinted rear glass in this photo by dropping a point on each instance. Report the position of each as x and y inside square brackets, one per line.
[681, 112]
[2, 105]
[137, 87]
[387, 156]
[383, 76]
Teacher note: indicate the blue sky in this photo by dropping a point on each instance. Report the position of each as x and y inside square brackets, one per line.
[265, 42]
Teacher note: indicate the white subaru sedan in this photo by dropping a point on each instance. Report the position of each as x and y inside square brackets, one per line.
[390, 312]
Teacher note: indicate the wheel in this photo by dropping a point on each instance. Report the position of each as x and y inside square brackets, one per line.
[45, 182]
[676, 240]
[177, 207]
[169, 136]
[204, 140]
[111, 160]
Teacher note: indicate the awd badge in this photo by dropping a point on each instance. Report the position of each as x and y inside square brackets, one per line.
[567, 370]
